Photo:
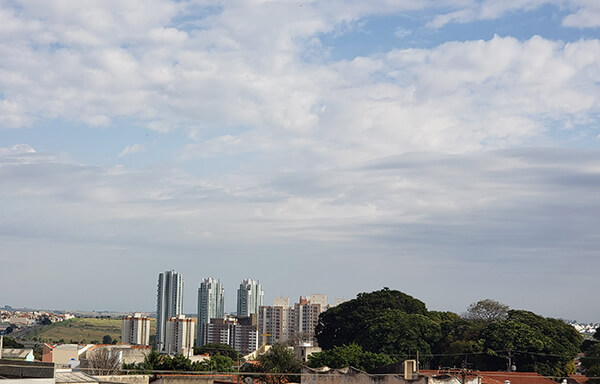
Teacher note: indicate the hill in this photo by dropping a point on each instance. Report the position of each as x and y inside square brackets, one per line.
[81, 330]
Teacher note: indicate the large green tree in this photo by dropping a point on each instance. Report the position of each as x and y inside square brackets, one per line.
[400, 334]
[348, 322]
[535, 343]
[349, 356]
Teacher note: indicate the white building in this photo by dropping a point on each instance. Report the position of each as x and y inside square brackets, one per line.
[135, 330]
[179, 336]
[250, 298]
[211, 304]
[169, 303]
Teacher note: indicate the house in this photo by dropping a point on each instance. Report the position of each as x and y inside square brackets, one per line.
[63, 354]
[18, 354]
[488, 377]
[410, 375]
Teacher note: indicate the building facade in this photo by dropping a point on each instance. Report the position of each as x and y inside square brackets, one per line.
[135, 330]
[211, 304]
[239, 333]
[249, 298]
[179, 336]
[169, 303]
[280, 324]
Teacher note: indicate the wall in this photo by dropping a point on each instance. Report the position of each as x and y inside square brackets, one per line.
[126, 379]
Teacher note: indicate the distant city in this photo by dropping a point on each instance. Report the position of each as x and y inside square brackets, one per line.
[253, 325]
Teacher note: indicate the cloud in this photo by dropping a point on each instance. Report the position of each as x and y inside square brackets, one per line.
[586, 16]
[513, 209]
[130, 149]
[17, 149]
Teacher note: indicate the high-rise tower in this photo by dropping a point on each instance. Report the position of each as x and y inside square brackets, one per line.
[211, 300]
[169, 303]
[249, 298]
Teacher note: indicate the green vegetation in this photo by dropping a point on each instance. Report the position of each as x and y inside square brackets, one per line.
[214, 349]
[81, 330]
[279, 362]
[490, 337]
[591, 361]
[9, 342]
[349, 355]
[155, 361]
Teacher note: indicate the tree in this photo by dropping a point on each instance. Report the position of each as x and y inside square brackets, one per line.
[487, 310]
[279, 363]
[591, 363]
[10, 342]
[346, 323]
[214, 349]
[400, 334]
[107, 339]
[103, 361]
[348, 356]
[536, 343]
[216, 363]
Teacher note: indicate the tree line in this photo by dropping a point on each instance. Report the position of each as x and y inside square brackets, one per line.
[391, 326]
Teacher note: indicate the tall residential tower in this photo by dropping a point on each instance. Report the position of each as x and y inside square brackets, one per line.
[169, 303]
[211, 299]
[249, 298]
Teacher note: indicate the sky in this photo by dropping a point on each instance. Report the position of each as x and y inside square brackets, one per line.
[449, 149]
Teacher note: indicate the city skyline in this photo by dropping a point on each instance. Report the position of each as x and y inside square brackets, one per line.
[447, 149]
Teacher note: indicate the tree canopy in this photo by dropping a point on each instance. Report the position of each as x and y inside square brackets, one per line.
[487, 310]
[347, 322]
[393, 323]
[349, 356]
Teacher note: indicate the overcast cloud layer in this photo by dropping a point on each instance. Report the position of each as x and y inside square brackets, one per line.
[447, 149]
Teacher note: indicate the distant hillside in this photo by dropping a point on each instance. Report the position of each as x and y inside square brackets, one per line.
[81, 330]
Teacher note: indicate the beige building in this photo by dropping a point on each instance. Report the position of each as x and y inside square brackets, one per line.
[63, 354]
[135, 330]
[179, 336]
[281, 323]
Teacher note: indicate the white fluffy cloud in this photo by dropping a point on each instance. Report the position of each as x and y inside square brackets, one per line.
[266, 148]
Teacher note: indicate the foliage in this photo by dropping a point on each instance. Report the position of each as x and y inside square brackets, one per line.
[539, 344]
[45, 320]
[348, 322]
[155, 361]
[348, 355]
[107, 339]
[400, 334]
[218, 363]
[213, 349]
[591, 363]
[10, 342]
[280, 364]
[487, 310]
[393, 323]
